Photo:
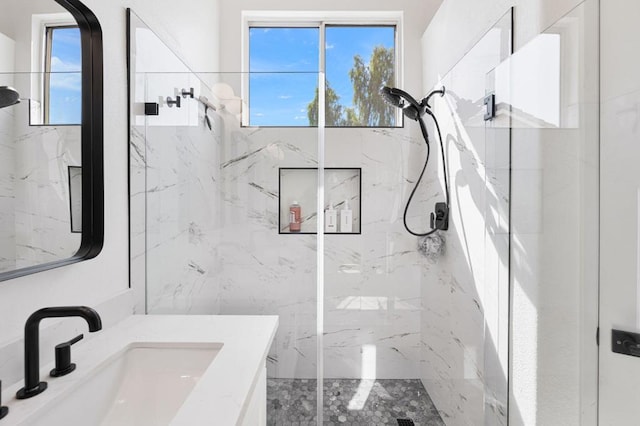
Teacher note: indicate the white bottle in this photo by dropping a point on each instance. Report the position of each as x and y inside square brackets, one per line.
[331, 219]
[346, 218]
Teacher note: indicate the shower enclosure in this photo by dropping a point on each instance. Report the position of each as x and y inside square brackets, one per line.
[374, 327]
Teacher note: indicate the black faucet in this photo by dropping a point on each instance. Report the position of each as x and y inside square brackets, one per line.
[32, 384]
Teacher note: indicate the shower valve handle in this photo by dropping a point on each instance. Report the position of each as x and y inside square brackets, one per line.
[440, 219]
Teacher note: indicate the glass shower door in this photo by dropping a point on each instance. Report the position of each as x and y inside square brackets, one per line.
[547, 94]
[217, 223]
[416, 328]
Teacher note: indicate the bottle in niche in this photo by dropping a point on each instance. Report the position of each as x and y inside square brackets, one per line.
[295, 215]
[346, 218]
[331, 219]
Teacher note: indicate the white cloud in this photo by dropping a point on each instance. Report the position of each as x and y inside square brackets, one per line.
[58, 65]
[329, 46]
[66, 81]
[285, 97]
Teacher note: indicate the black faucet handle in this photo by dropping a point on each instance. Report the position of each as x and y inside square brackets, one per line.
[3, 410]
[64, 365]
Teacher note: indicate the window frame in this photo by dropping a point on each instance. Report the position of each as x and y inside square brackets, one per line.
[321, 20]
[48, 30]
[39, 24]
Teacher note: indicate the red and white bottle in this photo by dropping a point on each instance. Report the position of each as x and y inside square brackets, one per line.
[295, 217]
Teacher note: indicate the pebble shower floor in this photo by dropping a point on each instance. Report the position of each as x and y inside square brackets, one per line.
[292, 402]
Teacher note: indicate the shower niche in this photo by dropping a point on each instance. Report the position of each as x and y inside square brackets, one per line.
[342, 191]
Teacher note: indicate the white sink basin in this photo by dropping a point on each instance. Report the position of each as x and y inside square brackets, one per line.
[144, 384]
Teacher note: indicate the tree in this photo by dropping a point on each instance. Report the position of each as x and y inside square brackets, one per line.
[367, 80]
[333, 110]
[369, 107]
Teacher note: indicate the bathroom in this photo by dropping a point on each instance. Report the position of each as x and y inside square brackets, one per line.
[193, 229]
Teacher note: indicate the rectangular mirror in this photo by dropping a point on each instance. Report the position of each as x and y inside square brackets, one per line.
[51, 171]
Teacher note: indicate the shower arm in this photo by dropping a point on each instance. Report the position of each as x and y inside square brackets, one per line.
[425, 100]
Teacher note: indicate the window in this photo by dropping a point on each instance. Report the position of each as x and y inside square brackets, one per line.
[283, 81]
[283, 65]
[63, 76]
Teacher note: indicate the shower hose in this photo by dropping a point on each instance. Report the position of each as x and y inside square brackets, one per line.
[425, 135]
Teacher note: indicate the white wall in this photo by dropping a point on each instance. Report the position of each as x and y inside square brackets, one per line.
[620, 226]
[107, 275]
[459, 24]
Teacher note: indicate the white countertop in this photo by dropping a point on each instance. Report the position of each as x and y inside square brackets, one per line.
[221, 394]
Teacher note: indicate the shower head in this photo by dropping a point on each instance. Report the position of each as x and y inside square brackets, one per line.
[8, 96]
[392, 96]
[410, 107]
[401, 99]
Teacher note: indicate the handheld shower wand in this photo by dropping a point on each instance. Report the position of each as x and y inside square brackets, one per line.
[415, 110]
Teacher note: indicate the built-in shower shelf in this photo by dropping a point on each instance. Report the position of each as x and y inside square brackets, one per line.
[300, 184]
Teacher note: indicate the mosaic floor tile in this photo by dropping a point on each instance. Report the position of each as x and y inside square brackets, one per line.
[292, 402]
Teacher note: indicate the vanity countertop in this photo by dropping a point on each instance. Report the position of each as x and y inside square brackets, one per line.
[222, 393]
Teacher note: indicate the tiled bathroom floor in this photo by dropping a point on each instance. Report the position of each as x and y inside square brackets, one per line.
[292, 402]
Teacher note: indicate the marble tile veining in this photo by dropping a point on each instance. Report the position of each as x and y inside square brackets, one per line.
[35, 222]
[209, 201]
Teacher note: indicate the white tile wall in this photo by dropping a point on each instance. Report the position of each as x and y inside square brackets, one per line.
[35, 204]
[212, 244]
[620, 225]
[465, 293]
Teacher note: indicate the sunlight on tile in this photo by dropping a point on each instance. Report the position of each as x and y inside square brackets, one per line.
[368, 378]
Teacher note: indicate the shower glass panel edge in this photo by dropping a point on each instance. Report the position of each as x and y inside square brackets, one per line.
[550, 90]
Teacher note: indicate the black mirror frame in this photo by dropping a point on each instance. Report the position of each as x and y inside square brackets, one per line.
[92, 142]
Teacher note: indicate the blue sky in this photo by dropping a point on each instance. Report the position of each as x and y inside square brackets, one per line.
[284, 63]
[65, 103]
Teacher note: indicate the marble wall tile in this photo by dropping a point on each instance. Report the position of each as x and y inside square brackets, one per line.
[43, 227]
[464, 333]
[211, 203]
[210, 244]
[34, 190]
